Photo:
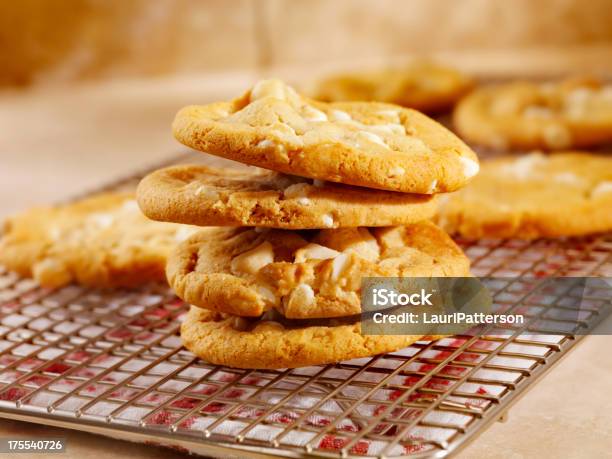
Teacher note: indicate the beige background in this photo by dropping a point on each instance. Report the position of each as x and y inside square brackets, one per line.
[51, 42]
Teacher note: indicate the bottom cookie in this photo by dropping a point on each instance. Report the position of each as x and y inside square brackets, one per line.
[258, 344]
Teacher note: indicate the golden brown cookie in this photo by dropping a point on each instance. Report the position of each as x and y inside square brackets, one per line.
[548, 116]
[563, 194]
[424, 86]
[365, 144]
[237, 342]
[309, 274]
[101, 241]
[206, 196]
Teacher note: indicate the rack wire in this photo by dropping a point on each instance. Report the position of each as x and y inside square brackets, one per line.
[111, 362]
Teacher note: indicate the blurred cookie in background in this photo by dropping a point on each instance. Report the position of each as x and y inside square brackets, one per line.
[424, 86]
[100, 241]
[536, 195]
[574, 113]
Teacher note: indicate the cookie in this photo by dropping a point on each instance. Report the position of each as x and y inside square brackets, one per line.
[549, 116]
[206, 196]
[367, 144]
[310, 274]
[426, 87]
[101, 241]
[241, 343]
[563, 194]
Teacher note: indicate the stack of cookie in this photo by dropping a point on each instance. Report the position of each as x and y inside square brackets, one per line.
[279, 286]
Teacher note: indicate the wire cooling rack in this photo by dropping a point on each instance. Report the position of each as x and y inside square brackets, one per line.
[111, 362]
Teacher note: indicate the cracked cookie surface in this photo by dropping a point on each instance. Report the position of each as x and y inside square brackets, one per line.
[545, 116]
[530, 196]
[101, 241]
[426, 87]
[307, 274]
[206, 196]
[367, 144]
[236, 342]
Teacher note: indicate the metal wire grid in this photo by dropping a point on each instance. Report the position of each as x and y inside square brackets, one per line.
[113, 360]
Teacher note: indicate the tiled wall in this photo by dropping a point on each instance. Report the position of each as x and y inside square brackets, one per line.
[62, 40]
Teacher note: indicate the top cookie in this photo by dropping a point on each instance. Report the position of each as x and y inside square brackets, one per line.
[207, 196]
[563, 194]
[423, 86]
[549, 116]
[358, 143]
[101, 241]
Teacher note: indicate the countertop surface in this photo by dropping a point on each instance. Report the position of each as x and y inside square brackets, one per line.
[55, 143]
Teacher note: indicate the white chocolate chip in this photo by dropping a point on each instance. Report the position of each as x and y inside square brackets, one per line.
[300, 297]
[433, 186]
[556, 136]
[470, 167]
[55, 233]
[372, 138]
[390, 113]
[266, 143]
[579, 96]
[184, 232]
[339, 115]
[568, 178]
[268, 88]
[284, 132]
[314, 252]
[296, 190]
[339, 265]
[602, 188]
[304, 201]
[130, 206]
[102, 220]
[252, 261]
[391, 128]
[536, 111]
[327, 220]
[523, 167]
[313, 114]
[207, 192]
[267, 294]
[396, 171]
